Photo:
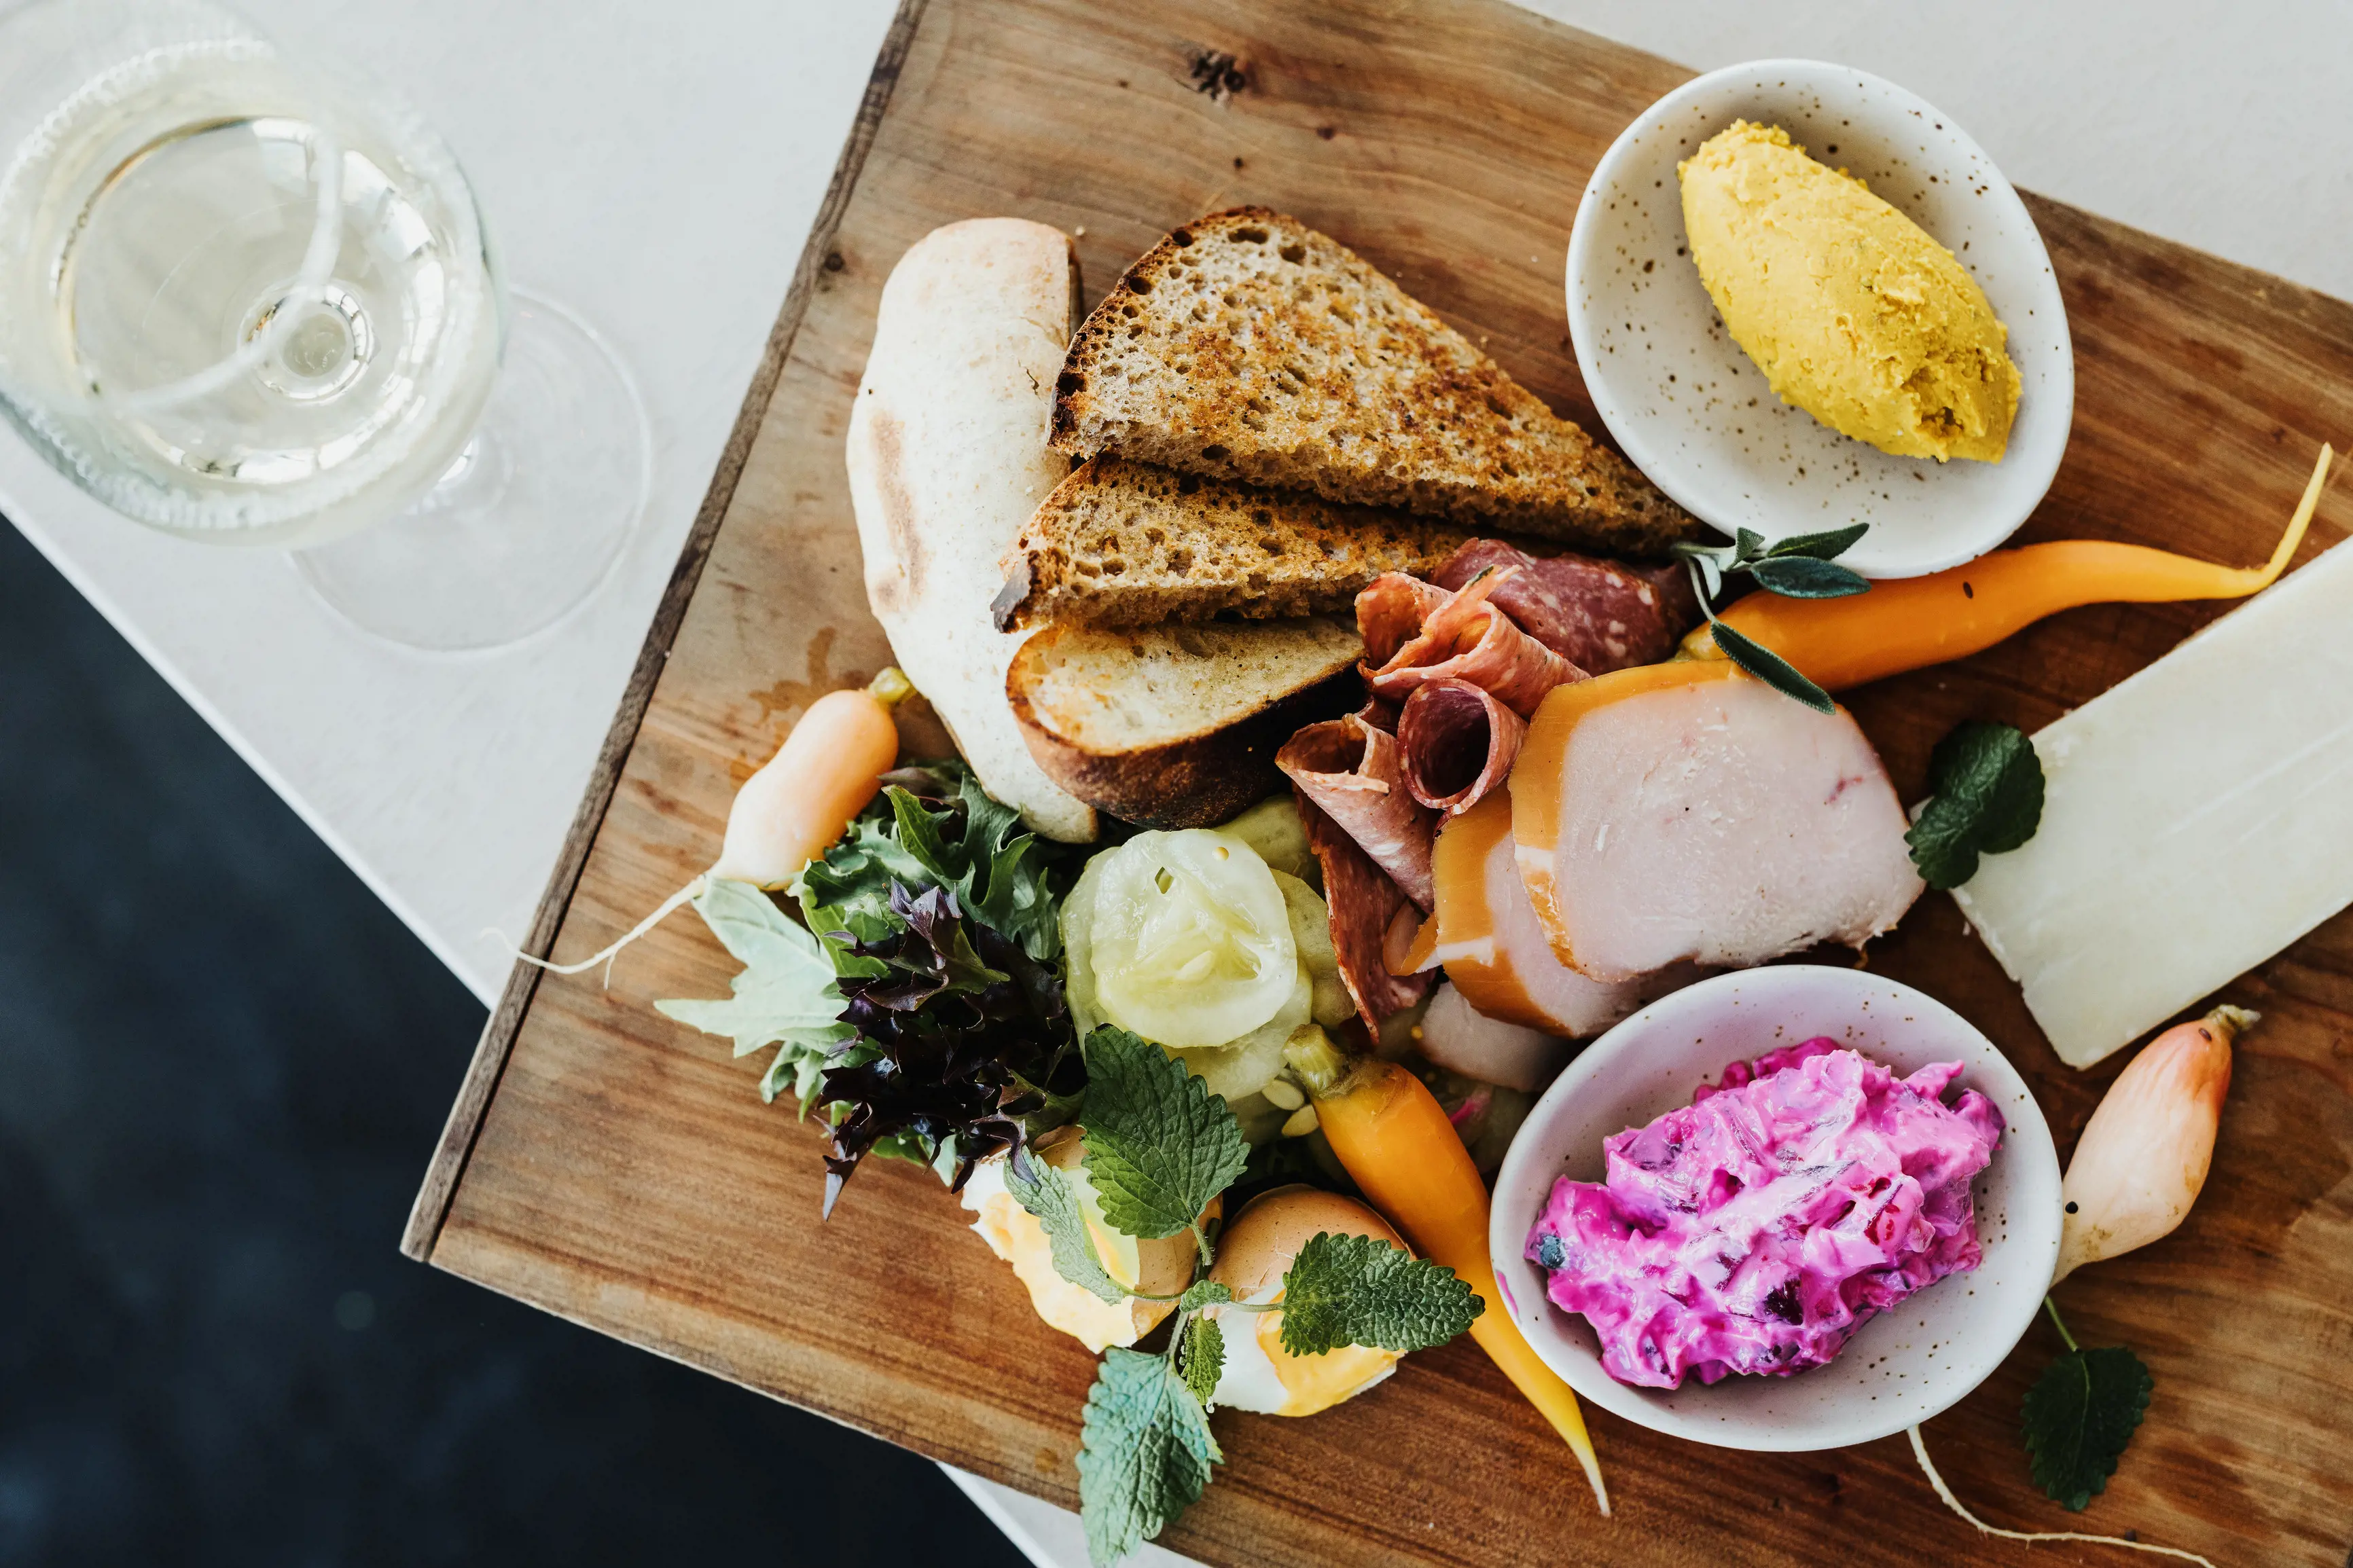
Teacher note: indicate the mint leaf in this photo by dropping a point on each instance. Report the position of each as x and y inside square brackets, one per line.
[1159, 1145]
[1362, 1291]
[785, 994]
[1770, 668]
[1205, 1357]
[1049, 1193]
[1988, 800]
[1203, 1293]
[1825, 546]
[1144, 1454]
[1803, 577]
[2079, 1415]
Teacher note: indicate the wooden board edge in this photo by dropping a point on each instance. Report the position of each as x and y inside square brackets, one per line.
[474, 1094]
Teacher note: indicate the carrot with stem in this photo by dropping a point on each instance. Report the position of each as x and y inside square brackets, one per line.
[1914, 621]
[796, 806]
[1399, 1146]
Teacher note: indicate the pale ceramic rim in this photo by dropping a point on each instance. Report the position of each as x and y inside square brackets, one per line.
[1564, 1341]
[1662, 466]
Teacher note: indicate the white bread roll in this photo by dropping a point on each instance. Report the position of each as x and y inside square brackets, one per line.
[947, 462]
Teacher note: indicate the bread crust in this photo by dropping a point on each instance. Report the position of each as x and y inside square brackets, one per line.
[1132, 544]
[1195, 779]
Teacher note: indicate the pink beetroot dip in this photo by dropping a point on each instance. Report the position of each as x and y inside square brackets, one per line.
[1757, 1228]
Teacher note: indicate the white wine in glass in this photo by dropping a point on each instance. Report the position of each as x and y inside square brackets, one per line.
[245, 299]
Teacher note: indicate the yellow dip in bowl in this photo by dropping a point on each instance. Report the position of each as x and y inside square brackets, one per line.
[1852, 311]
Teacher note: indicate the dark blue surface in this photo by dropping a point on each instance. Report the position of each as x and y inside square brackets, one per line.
[223, 1066]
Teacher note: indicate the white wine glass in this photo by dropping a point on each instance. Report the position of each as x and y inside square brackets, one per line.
[247, 299]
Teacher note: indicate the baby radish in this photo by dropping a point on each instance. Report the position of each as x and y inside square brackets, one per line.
[2144, 1154]
[792, 810]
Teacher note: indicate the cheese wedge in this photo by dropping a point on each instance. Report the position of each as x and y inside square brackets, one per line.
[1689, 811]
[2197, 819]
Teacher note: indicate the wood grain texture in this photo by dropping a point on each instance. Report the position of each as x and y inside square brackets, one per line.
[621, 1171]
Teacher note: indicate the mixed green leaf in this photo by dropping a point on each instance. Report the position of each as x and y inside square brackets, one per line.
[921, 1007]
[1987, 800]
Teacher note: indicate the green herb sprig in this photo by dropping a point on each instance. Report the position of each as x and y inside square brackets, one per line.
[2081, 1414]
[1987, 800]
[1158, 1148]
[1802, 566]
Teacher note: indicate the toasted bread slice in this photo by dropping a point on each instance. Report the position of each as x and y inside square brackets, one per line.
[1128, 544]
[1177, 726]
[1247, 346]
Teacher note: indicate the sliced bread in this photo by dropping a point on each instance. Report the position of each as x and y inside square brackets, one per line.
[1177, 726]
[1248, 346]
[1129, 544]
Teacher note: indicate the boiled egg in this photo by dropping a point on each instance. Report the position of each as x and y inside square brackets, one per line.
[1161, 1267]
[1258, 1375]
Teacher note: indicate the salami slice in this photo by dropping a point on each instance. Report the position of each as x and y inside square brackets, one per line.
[1457, 742]
[1364, 904]
[1466, 637]
[1390, 610]
[1600, 616]
[1354, 774]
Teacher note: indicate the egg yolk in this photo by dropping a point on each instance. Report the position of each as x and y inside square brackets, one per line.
[1316, 1382]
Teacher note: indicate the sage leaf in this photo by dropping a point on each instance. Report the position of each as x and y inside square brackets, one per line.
[1803, 577]
[1771, 668]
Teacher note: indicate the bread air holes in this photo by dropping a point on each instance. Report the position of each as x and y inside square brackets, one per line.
[1154, 537]
[1215, 454]
[1251, 235]
[1139, 285]
[1294, 253]
[1180, 561]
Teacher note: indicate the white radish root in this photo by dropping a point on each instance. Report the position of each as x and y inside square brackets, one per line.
[794, 807]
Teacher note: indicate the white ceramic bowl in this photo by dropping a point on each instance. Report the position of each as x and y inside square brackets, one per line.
[1696, 416]
[1900, 1368]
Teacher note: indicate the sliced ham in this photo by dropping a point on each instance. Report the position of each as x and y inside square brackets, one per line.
[1370, 913]
[1600, 616]
[1351, 769]
[1464, 636]
[1690, 812]
[1494, 950]
[1457, 742]
[1460, 1039]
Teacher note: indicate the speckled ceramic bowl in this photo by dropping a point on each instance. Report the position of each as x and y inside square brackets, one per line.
[1696, 416]
[1900, 1368]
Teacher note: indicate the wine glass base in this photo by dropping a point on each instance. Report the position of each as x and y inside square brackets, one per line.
[527, 524]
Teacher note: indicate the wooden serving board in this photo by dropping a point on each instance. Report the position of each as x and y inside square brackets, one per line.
[619, 1170]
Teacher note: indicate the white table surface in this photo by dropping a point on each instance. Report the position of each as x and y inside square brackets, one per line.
[656, 167]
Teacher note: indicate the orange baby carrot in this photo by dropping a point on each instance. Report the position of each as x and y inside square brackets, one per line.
[1398, 1145]
[1913, 622]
